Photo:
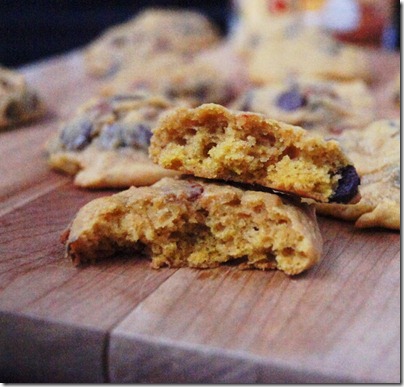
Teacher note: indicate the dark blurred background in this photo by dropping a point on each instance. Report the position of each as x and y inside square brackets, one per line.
[34, 29]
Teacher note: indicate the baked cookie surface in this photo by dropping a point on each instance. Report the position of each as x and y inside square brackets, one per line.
[323, 107]
[150, 33]
[197, 224]
[376, 154]
[195, 79]
[105, 144]
[308, 52]
[18, 101]
[213, 142]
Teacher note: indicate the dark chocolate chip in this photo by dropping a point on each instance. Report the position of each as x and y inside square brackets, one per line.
[291, 100]
[13, 111]
[77, 134]
[31, 101]
[127, 97]
[137, 136]
[196, 190]
[397, 177]
[347, 185]
[5, 84]
[111, 136]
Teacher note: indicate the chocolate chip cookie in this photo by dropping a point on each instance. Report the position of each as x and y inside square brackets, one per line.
[18, 101]
[105, 143]
[194, 79]
[323, 107]
[150, 33]
[213, 142]
[376, 154]
[307, 52]
[197, 224]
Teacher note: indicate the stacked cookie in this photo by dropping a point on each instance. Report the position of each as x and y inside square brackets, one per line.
[226, 208]
[230, 145]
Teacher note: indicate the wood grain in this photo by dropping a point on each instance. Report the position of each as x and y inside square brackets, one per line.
[323, 321]
[120, 321]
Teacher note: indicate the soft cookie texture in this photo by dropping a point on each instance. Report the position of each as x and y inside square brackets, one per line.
[324, 107]
[197, 224]
[305, 51]
[105, 143]
[18, 101]
[193, 79]
[149, 34]
[213, 142]
[376, 153]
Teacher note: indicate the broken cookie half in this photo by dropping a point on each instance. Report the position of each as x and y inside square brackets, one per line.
[195, 223]
[213, 142]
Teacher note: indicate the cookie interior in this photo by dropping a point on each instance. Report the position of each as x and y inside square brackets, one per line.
[216, 143]
[185, 223]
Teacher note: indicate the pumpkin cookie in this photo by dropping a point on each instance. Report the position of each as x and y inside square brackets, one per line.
[306, 52]
[197, 224]
[213, 142]
[18, 102]
[376, 154]
[194, 79]
[105, 144]
[324, 107]
[147, 35]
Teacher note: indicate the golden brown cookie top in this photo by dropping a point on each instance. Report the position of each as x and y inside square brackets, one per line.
[150, 33]
[324, 107]
[121, 120]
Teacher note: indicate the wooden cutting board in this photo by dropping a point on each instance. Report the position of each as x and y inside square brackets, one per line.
[120, 321]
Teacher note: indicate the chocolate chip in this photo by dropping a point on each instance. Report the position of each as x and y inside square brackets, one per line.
[111, 136]
[137, 136]
[5, 84]
[347, 185]
[13, 111]
[195, 191]
[31, 101]
[291, 100]
[77, 134]
[122, 135]
[127, 97]
[397, 177]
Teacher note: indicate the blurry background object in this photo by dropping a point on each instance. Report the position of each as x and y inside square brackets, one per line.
[365, 22]
[34, 29]
[375, 18]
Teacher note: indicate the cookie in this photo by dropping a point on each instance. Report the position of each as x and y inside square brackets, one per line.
[376, 154]
[198, 224]
[105, 144]
[323, 107]
[213, 142]
[306, 52]
[147, 35]
[18, 101]
[193, 79]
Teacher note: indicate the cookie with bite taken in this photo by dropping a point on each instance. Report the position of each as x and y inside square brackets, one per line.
[214, 142]
[199, 224]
